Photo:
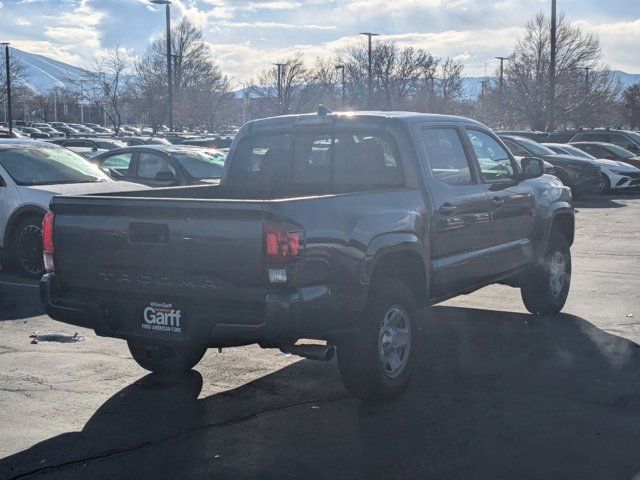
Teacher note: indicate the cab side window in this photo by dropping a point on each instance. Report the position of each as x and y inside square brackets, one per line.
[446, 156]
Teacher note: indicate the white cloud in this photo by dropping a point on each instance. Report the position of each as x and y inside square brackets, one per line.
[278, 5]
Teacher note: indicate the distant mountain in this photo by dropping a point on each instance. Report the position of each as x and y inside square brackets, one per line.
[44, 74]
[472, 86]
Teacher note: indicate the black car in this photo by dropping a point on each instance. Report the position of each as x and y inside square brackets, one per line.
[531, 134]
[580, 174]
[609, 151]
[622, 138]
[95, 143]
[162, 165]
[560, 136]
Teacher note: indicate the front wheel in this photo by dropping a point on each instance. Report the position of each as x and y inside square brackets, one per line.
[165, 359]
[376, 363]
[545, 289]
[605, 186]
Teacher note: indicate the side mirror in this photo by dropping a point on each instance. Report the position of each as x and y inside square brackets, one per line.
[165, 176]
[94, 149]
[532, 167]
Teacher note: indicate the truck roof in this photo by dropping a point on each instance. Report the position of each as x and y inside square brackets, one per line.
[372, 116]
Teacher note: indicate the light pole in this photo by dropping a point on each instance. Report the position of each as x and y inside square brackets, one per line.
[370, 78]
[166, 3]
[502, 59]
[586, 78]
[244, 102]
[8, 69]
[344, 91]
[552, 70]
[279, 66]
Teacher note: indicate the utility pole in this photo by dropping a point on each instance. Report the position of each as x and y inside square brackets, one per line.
[502, 59]
[166, 3]
[552, 71]
[8, 69]
[55, 105]
[343, 89]
[244, 102]
[370, 78]
[280, 66]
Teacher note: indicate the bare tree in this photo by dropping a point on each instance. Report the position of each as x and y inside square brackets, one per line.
[631, 105]
[202, 94]
[527, 74]
[107, 83]
[448, 86]
[19, 77]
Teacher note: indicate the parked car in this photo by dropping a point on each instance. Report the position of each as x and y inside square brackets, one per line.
[87, 152]
[208, 142]
[561, 136]
[580, 174]
[31, 173]
[97, 143]
[615, 174]
[329, 227]
[67, 130]
[609, 151]
[623, 138]
[52, 132]
[162, 165]
[139, 140]
[98, 128]
[33, 132]
[4, 133]
[82, 129]
[534, 135]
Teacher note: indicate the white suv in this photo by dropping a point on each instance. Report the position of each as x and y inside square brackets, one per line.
[31, 173]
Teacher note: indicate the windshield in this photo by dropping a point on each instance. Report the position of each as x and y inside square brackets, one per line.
[44, 165]
[620, 152]
[534, 147]
[635, 136]
[201, 165]
[576, 152]
[110, 145]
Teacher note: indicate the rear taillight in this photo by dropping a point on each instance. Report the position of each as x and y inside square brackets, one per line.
[48, 249]
[281, 245]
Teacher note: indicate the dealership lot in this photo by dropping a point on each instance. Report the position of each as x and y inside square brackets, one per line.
[498, 393]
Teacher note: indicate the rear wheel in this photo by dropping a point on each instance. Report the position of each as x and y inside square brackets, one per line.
[544, 291]
[376, 363]
[163, 358]
[25, 249]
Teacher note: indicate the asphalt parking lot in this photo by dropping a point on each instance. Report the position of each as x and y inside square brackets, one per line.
[498, 393]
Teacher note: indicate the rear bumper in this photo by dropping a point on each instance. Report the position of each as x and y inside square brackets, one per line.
[310, 312]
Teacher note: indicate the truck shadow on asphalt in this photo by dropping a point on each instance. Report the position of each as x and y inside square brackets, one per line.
[495, 395]
[607, 200]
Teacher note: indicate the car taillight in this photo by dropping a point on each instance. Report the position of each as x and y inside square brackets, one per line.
[48, 249]
[281, 245]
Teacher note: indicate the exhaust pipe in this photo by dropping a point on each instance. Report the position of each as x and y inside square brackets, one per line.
[323, 353]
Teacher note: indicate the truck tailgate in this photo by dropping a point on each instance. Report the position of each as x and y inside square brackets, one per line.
[170, 247]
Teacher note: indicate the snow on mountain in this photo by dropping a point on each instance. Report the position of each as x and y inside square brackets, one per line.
[44, 74]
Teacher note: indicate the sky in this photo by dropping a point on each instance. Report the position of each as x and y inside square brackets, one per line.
[246, 36]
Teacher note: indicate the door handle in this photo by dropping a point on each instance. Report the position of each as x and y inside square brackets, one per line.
[496, 202]
[447, 208]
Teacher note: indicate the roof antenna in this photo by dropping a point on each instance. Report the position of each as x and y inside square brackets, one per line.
[322, 110]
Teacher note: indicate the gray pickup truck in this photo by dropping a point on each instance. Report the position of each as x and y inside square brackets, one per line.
[334, 227]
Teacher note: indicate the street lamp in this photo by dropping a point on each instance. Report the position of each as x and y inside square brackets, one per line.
[502, 59]
[244, 102]
[6, 61]
[166, 3]
[369, 35]
[552, 70]
[344, 92]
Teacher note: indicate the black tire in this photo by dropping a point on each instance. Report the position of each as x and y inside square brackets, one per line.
[543, 293]
[25, 247]
[365, 371]
[165, 359]
[606, 184]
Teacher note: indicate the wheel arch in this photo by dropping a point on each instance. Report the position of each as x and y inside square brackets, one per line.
[563, 222]
[404, 261]
[17, 216]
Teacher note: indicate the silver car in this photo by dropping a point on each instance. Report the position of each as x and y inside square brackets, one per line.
[31, 173]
